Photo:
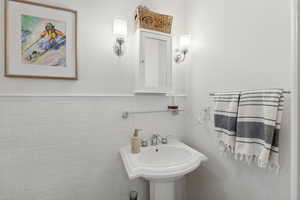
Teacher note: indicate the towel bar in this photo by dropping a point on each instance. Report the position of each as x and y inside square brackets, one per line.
[126, 114]
[285, 92]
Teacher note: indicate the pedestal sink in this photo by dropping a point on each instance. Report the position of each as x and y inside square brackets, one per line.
[162, 165]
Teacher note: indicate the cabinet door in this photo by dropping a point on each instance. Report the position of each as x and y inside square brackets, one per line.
[155, 62]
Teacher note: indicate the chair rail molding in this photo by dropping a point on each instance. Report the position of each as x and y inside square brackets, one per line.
[78, 95]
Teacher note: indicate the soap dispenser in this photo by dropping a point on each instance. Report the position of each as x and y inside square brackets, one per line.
[135, 142]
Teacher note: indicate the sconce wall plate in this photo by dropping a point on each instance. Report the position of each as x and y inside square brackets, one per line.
[118, 47]
[180, 55]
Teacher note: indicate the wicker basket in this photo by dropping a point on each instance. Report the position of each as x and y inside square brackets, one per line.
[147, 19]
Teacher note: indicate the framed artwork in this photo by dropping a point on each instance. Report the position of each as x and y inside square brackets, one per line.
[40, 41]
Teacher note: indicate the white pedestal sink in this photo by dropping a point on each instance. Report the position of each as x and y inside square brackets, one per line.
[162, 165]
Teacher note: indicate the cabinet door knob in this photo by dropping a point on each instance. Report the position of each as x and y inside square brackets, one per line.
[143, 61]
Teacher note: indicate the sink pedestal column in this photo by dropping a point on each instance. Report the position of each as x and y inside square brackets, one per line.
[162, 190]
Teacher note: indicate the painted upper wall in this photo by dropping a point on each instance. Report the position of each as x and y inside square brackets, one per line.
[237, 45]
[100, 70]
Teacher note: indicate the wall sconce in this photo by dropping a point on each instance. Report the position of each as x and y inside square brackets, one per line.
[184, 44]
[120, 33]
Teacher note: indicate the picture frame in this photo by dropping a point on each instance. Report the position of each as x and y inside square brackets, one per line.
[40, 41]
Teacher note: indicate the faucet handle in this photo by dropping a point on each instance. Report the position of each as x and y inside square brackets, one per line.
[144, 143]
[164, 140]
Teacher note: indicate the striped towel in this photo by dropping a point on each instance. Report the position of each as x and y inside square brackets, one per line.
[258, 125]
[225, 116]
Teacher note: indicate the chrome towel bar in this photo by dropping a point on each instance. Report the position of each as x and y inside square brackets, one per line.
[126, 114]
[285, 92]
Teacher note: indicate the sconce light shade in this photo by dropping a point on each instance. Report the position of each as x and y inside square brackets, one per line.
[120, 33]
[120, 28]
[185, 42]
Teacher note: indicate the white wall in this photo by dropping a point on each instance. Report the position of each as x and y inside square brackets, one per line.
[67, 148]
[56, 148]
[237, 45]
[295, 111]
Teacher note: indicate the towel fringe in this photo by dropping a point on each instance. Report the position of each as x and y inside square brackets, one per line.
[228, 150]
[249, 159]
[225, 148]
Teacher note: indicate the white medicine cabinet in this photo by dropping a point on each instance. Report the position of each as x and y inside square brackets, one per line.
[154, 63]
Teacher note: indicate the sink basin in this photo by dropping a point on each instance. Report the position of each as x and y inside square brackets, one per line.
[171, 160]
[164, 156]
[161, 165]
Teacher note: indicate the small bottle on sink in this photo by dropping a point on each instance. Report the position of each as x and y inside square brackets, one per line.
[135, 142]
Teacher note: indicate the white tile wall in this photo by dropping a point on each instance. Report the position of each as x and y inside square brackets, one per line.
[67, 148]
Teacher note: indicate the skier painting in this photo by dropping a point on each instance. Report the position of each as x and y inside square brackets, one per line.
[43, 41]
[53, 36]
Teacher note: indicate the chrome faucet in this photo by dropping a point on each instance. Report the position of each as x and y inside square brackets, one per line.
[155, 139]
